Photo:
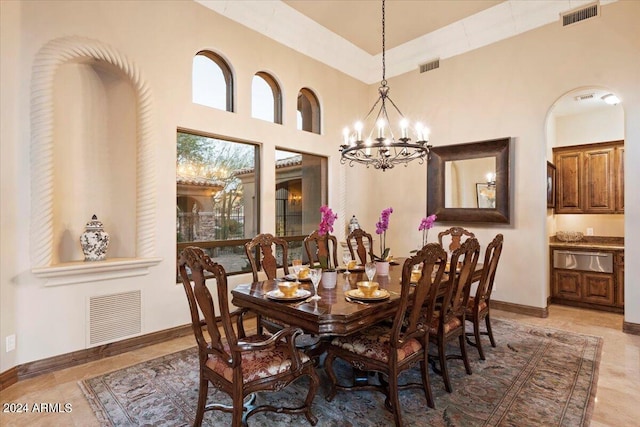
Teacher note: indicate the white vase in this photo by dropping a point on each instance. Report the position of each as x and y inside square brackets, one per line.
[94, 241]
[382, 268]
[329, 279]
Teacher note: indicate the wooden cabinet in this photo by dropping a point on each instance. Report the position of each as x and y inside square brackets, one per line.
[619, 272]
[592, 289]
[619, 171]
[590, 178]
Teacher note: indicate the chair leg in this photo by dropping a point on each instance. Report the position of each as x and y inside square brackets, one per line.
[328, 368]
[202, 401]
[313, 386]
[426, 382]
[476, 333]
[237, 411]
[443, 365]
[489, 332]
[463, 352]
[394, 399]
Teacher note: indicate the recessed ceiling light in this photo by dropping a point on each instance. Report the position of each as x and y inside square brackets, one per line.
[611, 99]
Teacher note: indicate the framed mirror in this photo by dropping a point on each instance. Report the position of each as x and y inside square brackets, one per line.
[470, 182]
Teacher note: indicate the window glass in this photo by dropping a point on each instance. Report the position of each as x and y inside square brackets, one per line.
[301, 188]
[217, 204]
[211, 81]
[309, 111]
[266, 98]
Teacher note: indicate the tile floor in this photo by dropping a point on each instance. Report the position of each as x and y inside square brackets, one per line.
[617, 402]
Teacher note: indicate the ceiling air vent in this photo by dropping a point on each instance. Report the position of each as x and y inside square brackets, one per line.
[580, 15]
[432, 65]
[585, 97]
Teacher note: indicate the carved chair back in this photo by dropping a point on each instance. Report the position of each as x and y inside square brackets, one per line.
[456, 234]
[358, 237]
[262, 252]
[409, 323]
[490, 266]
[317, 246]
[200, 298]
[456, 297]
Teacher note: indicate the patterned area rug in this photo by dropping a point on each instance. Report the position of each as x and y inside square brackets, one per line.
[535, 377]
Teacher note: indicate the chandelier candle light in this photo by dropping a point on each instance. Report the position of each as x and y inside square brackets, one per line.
[384, 151]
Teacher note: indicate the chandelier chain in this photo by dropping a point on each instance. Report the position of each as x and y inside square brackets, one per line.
[384, 67]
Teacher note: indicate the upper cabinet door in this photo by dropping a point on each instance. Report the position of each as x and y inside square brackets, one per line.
[619, 171]
[599, 181]
[569, 182]
[590, 178]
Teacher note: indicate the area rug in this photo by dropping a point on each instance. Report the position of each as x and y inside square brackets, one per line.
[534, 377]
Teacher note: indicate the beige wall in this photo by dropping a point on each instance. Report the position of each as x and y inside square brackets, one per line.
[501, 90]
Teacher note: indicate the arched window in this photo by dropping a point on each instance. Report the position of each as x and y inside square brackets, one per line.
[266, 98]
[308, 111]
[212, 81]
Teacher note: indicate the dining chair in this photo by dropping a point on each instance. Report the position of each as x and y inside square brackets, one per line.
[234, 363]
[455, 233]
[479, 305]
[360, 238]
[316, 246]
[448, 321]
[392, 349]
[261, 252]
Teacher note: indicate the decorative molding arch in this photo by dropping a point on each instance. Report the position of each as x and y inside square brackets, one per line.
[51, 56]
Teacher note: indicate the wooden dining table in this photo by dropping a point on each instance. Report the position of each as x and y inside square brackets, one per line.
[333, 314]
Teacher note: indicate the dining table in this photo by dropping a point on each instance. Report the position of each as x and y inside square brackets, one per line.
[334, 313]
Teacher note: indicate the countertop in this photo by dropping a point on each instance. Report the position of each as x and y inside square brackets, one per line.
[591, 242]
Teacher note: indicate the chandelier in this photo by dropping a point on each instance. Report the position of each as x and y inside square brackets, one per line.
[385, 150]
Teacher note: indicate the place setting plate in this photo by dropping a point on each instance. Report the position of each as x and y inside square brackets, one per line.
[378, 295]
[277, 295]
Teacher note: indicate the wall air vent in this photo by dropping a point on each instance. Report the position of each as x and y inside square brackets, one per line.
[580, 14]
[114, 316]
[432, 65]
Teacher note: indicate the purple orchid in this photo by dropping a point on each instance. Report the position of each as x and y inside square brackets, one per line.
[327, 220]
[425, 225]
[381, 228]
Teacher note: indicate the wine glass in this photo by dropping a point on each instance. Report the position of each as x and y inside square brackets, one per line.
[346, 258]
[314, 275]
[370, 270]
[296, 266]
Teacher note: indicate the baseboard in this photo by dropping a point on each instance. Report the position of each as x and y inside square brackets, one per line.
[631, 328]
[51, 364]
[520, 309]
[8, 378]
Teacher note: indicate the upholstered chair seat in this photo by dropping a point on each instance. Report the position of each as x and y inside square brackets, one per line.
[374, 343]
[256, 365]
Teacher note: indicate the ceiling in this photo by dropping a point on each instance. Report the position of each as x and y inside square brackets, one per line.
[360, 21]
[346, 34]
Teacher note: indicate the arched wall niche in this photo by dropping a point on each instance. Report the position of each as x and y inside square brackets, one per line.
[91, 152]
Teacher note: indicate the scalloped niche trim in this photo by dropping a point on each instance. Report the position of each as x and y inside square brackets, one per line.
[47, 61]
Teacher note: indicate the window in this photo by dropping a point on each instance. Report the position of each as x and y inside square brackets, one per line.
[266, 98]
[217, 197]
[308, 111]
[301, 188]
[212, 83]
